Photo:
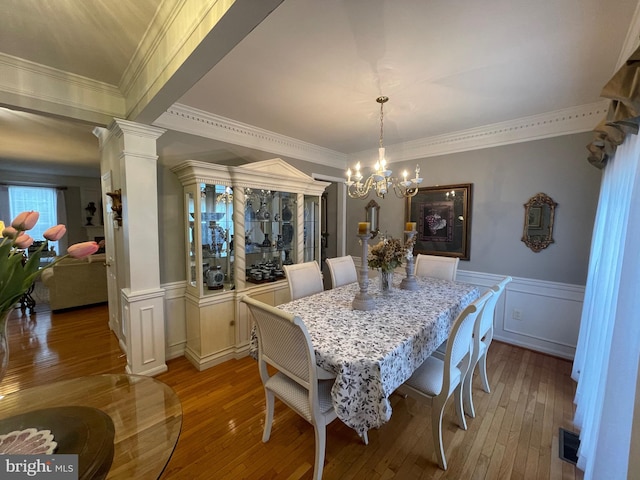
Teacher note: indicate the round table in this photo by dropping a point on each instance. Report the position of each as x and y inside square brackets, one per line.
[146, 416]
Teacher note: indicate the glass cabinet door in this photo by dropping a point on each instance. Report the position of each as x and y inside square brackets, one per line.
[214, 205]
[269, 234]
[311, 228]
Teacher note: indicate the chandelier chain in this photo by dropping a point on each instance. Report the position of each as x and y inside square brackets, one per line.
[381, 123]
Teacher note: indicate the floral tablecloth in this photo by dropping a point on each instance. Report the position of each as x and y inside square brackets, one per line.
[373, 353]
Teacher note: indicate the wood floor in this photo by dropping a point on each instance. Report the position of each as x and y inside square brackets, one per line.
[515, 434]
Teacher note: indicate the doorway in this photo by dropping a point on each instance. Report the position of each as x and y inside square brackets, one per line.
[332, 220]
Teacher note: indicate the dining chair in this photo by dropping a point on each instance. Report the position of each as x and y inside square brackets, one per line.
[436, 266]
[284, 343]
[343, 270]
[304, 279]
[482, 336]
[437, 379]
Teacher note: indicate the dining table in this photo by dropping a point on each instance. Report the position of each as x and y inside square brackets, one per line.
[373, 352]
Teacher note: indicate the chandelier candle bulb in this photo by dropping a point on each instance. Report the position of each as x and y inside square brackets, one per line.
[363, 228]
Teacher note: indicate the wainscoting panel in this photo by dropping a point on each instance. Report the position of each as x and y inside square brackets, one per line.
[175, 319]
[535, 314]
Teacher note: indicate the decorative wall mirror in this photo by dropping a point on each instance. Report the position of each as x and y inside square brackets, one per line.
[538, 222]
[372, 214]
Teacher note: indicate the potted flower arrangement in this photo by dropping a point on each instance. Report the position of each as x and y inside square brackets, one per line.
[386, 256]
[17, 272]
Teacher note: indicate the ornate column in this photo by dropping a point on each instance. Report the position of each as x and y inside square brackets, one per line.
[129, 158]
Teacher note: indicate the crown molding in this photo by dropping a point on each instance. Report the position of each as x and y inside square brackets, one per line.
[204, 124]
[157, 37]
[560, 122]
[552, 124]
[63, 93]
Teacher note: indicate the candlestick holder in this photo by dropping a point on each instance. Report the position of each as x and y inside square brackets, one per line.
[409, 282]
[362, 300]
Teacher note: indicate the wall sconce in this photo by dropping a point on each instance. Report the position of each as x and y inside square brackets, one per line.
[116, 205]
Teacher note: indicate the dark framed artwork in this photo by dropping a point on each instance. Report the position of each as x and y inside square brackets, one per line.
[443, 220]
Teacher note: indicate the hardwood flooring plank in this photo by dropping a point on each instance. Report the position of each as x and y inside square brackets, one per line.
[514, 434]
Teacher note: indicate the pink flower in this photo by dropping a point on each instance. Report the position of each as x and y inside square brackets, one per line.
[10, 232]
[55, 233]
[82, 250]
[23, 241]
[25, 220]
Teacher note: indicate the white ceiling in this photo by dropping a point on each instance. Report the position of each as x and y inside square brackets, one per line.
[312, 69]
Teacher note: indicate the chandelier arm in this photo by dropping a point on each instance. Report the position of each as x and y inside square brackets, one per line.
[360, 190]
[405, 193]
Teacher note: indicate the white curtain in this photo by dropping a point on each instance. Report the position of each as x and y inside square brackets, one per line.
[607, 354]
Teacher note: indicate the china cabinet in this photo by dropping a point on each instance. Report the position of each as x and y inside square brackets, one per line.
[242, 224]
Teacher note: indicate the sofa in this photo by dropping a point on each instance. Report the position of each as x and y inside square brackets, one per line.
[76, 282]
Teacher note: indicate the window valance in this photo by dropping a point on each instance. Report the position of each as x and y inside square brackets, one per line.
[623, 116]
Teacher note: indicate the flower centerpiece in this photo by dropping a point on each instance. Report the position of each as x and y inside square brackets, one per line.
[18, 272]
[386, 256]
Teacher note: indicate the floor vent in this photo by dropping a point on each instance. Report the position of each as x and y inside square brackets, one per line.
[569, 443]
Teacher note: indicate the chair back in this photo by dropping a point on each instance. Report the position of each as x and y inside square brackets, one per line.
[304, 279]
[460, 339]
[436, 266]
[343, 270]
[284, 343]
[485, 323]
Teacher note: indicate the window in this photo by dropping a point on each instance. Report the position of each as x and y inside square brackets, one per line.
[41, 199]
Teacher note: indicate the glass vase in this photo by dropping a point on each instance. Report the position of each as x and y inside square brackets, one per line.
[4, 344]
[386, 282]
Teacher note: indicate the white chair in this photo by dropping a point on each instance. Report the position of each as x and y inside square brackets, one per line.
[436, 380]
[482, 336]
[304, 279]
[343, 270]
[436, 266]
[284, 343]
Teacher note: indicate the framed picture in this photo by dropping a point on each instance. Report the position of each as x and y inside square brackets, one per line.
[443, 220]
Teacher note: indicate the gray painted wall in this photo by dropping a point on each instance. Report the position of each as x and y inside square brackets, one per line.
[503, 179]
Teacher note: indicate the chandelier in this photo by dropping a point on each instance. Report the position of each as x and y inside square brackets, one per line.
[381, 180]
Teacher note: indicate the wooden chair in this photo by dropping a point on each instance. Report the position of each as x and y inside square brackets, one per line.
[284, 343]
[436, 266]
[304, 279]
[343, 270]
[482, 336]
[436, 379]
